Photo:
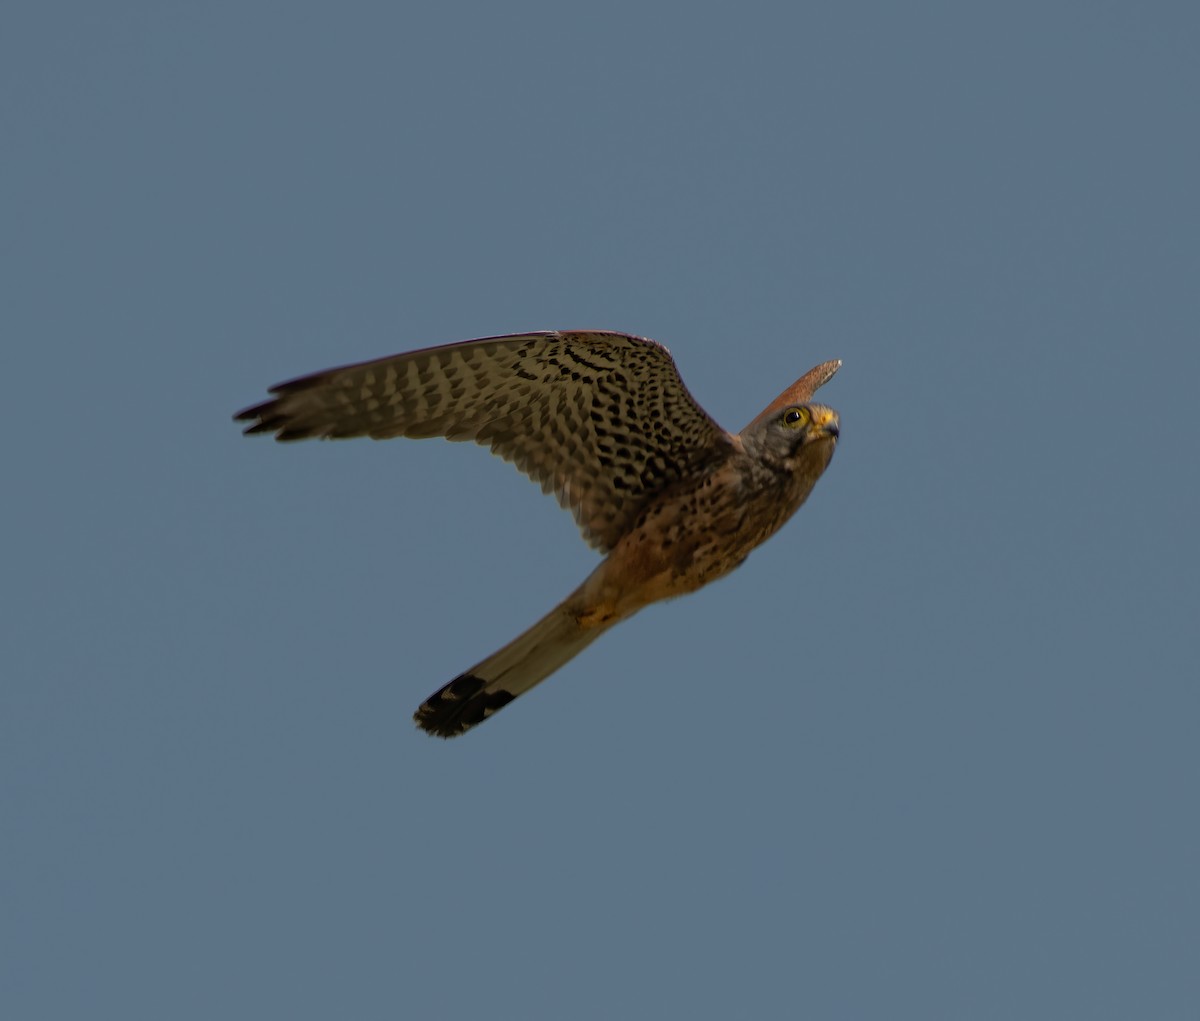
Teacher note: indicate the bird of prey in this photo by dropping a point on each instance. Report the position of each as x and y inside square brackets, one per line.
[603, 421]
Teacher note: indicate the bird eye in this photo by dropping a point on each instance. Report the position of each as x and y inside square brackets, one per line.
[796, 417]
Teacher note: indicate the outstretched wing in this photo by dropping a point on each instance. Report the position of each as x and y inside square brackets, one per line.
[602, 420]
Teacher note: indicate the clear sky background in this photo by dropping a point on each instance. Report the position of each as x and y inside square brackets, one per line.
[933, 752]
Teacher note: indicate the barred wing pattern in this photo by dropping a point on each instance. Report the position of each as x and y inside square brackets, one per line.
[600, 419]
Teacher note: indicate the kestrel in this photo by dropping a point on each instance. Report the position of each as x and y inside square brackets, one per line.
[604, 422]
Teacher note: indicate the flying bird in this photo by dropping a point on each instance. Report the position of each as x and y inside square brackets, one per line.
[603, 421]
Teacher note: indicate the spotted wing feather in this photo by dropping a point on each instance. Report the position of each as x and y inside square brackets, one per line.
[602, 420]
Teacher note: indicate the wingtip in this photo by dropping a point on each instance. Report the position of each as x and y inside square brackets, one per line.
[800, 392]
[819, 375]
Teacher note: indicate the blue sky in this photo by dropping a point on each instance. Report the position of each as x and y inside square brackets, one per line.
[932, 752]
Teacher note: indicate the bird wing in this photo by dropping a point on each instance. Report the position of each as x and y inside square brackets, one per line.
[600, 419]
[800, 392]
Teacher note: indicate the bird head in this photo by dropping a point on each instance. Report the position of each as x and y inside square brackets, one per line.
[790, 432]
[791, 424]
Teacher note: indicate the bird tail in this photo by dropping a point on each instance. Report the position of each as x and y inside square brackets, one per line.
[527, 660]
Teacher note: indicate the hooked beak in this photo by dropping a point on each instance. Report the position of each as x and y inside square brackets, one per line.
[827, 422]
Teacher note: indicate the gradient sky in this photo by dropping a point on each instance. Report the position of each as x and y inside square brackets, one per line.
[933, 752]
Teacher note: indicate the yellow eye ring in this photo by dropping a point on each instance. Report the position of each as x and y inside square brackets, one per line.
[796, 418]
